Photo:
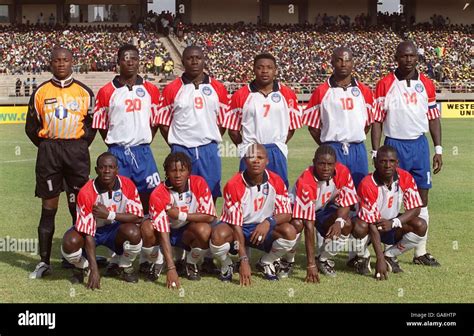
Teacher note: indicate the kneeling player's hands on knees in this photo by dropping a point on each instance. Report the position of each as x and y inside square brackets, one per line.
[260, 233]
[172, 279]
[334, 231]
[312, 274]
[245, 273]
[94, 281]
[173, 212]
[100, 211]
[384, 225]
[381, 270]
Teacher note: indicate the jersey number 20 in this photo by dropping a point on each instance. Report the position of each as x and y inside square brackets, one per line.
[133, 105]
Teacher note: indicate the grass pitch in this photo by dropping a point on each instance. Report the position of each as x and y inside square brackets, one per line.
[450, 240]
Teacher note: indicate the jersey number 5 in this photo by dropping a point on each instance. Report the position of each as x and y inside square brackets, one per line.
[133, 105]
[325, 198]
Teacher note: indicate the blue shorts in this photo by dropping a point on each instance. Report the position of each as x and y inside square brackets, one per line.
[355, 160]
[322, 215]
[105, 236]
[276, 162]
[414, 157]
[389, 237]
[206, 163]
[247, 229]
[176, 238]
[138, 164]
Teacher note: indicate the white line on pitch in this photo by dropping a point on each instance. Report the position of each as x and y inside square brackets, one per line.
[14, 161]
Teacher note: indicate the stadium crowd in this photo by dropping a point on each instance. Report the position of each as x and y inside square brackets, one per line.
[27, 49]
[303, 51]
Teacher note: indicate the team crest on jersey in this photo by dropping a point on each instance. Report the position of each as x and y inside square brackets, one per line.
[117, 197]
[188, 198]
[60, 112]
[419, 88]
[265, 189]
[140, 92]
[207, 90]
[355, 91]
[276, 97]
[74, 105]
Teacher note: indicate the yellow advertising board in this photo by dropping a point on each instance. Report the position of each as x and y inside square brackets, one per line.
[457, 110]
[13, 114]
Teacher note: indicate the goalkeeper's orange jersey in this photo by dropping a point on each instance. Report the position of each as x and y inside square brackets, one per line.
[60, 110]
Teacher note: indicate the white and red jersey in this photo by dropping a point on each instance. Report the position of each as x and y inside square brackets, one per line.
[245, 203]
[405, 106]
[193, 114]
[377, 201]
[123, 198]
[341, 113]
[310, 195]
[263, 119]
[127, 112]
[196, 199]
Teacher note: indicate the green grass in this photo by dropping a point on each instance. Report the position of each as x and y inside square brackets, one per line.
[451, 213]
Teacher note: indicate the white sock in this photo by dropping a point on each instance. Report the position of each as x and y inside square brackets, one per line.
[352, 251]
[333, 247]
[420, 249]
[362, 247]
[76, 258]
[408, 241]
[130, 252]
[290, 255]
[160, 259]
[319, 242]
[178, 253]
[149, 254]
[195, 255]
[221, 253]
[280, 247]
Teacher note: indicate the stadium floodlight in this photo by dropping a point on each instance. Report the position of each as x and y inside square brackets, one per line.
[466, 5]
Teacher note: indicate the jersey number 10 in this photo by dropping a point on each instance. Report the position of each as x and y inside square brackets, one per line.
[347, 103]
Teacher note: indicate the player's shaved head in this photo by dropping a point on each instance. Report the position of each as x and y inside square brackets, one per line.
[403, 46]
[105, 155]
[57, 50]
[253, 148]
[188, 49]
[324, 150]
[387, 149]
[339, 52]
